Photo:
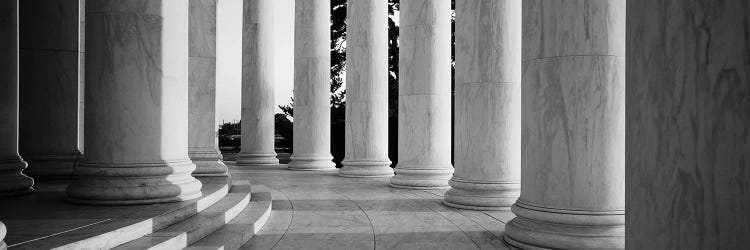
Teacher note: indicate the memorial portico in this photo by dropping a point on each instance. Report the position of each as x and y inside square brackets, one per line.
[544, 131]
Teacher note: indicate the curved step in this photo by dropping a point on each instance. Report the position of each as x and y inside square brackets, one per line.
[190, 230]
[239, 231]
[144, 219]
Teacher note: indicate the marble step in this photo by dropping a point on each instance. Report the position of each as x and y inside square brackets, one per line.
[241, 229]
[144, 219]
[182, 234]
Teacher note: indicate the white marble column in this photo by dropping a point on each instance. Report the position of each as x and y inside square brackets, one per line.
[366, 90]
[49, 86]
[258, 106]
[312, 86]
[12, 179]
[488, 105]
[3, 232]
[424, 112]
[203, 144]
[136, 117]
[573, 148]
[688, 124]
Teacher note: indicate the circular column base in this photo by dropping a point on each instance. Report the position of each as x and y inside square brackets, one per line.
[12, 179]
[549, 228]
[210, 168]
[311, 163]
[422, 178]
[366, 169]
[258, 160]
[482, 195]
[3, 232]
[132, 184]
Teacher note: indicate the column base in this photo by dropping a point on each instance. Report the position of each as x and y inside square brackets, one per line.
[366, 168]
[481, 195]
[52, 166]
[12, 179]
[133, 184]
[259, 160]
[421, 178]
[549, 228]
[311, 163]
[210, 168]
[208, 162]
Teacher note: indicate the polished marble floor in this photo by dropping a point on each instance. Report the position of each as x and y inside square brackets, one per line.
[319, 210]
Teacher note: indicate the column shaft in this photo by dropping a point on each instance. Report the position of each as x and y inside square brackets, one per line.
[573, 152]
[367, 90]
[312, 77]
[258, 79]
[688, 124]
[136, 117]
[203, 147]
[49, 103]
[12, 179]
[488, 105]
[424, 116]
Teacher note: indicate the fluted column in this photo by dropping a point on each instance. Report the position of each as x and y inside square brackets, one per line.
[258, 106]
[203, 147]
[488, 105]
[573, 104]
[312, 85]
[49, 89]
[136, 116]
[367, 90]
[424, 112]
[12, 179]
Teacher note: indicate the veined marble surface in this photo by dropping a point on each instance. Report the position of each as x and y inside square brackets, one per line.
[137, 113]
[203, 144]
[573, 132]
[424, 122]
[312, 73]
[12, 180]
[688, 124]
[49, 86]
[366, 139]
[258, 83]
[488, 105]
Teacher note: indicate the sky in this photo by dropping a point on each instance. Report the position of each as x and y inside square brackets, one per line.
[229, 60]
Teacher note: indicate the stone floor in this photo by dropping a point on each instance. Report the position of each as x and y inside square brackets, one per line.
[319, 210]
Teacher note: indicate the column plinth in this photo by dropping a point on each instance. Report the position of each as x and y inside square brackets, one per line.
[203, 148]
[488, 105]
[136, 116]
[424, 112]
[258, 80]
[312, 77]
[573, 152]
[12, 179]
[366, 139]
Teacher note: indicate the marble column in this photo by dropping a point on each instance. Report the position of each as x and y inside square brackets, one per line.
[3, 232]
[12, 179]
[488, 105]
[424, 112]
[258, 105]
[203, 144]
[49, 86]
[367, 90]
[688, 124]
[312, 86]
[573, 116]
[136, 117]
